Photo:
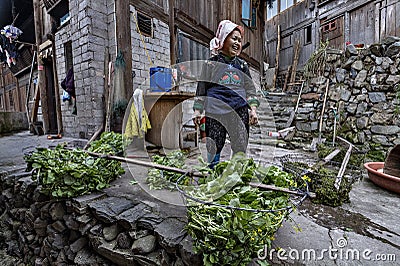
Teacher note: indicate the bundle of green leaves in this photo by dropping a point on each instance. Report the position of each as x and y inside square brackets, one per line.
[231, 223]
[69, 173]
[160, 179]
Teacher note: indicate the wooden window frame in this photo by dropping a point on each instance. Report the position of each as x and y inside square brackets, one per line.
[250, 22]
[308, 34]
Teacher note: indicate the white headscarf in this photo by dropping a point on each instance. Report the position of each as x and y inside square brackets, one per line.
[225, 27]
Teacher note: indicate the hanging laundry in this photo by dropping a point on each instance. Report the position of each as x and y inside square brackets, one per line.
[8, 50]
[11, 32]
[68, 83]
[138, 121]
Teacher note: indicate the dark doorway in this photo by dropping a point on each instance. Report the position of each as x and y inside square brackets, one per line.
[51, 97]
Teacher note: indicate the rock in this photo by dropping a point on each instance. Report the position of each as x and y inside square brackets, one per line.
[40, 227]
[349, 62]
[345, 95]
[351, 108]
[376, 97]
[57, 211]
[129, 218]
[79, 244]
[377, 49]
[382, 140]
[378, 60]
[85, 257]
[360, 79]
[386, 63]
[340, 74]
[361, 108]
[358, 65]
[393, 49]
[393, 79]
[307, 127]
[351, 50]
[187, 254]
[144, 245]
[170, 233]
[80, 203]
[106, 210]
[117, 256]
[110, 232]
[70, 223]
[59, 226]
[385, 130]
[124, 240]
[389, 40]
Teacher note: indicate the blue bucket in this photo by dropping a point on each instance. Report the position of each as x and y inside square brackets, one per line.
[160, 79]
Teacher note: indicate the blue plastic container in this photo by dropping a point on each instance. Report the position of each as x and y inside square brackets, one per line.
[160, 79]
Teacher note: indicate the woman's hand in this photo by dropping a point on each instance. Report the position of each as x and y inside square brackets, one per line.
[253, 116]
[196, 117]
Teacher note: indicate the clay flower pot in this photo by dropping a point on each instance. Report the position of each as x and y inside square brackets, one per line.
[377, 176]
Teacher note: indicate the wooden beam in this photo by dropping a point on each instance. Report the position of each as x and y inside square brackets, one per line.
[60, 128]
[295, 61]
[41, 73]
[172, 32]
[278, 48]
[124, 43]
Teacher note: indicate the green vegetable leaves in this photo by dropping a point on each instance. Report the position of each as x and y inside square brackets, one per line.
[69, 173]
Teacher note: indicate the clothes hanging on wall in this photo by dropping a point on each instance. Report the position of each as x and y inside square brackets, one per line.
[138, 121]
[8, 51]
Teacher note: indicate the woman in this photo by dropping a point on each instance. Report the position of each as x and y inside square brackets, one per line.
[226, 93]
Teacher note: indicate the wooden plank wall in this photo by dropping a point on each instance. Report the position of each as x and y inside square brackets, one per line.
[208, 14]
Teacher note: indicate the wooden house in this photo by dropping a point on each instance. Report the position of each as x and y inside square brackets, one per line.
[311, 22]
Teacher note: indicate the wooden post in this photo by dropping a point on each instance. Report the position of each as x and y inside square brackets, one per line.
[3, 85]
[60, 128]
[18, 108]
[295, 61]
[322, 111]
[286, 78]
[172, 32]
[124, 44]
[41, 73]
[278, 48]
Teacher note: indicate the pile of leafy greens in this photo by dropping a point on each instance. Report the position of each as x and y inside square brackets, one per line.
[228, 220]
[63, 172]
[160, 179]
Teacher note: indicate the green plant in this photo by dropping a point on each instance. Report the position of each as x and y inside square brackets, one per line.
[160, 179]
[234, 236]
[63, 172]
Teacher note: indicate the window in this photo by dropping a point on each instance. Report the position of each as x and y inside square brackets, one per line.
[11, 98]
[249, 14]
[68, 56]
[145, 25]
[272, 9]
[285, 4]
[59, 10]
[308, 34]
[330, 26]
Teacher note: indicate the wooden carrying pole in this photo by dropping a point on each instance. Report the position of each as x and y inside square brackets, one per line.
[189, 173]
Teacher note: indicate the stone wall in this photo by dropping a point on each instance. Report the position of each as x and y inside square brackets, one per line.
[13, 121]
[364, 93]
[95, 229]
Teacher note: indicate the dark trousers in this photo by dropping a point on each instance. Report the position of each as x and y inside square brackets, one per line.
[235, 123]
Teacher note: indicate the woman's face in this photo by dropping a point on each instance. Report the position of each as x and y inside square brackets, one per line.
[232, 44]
